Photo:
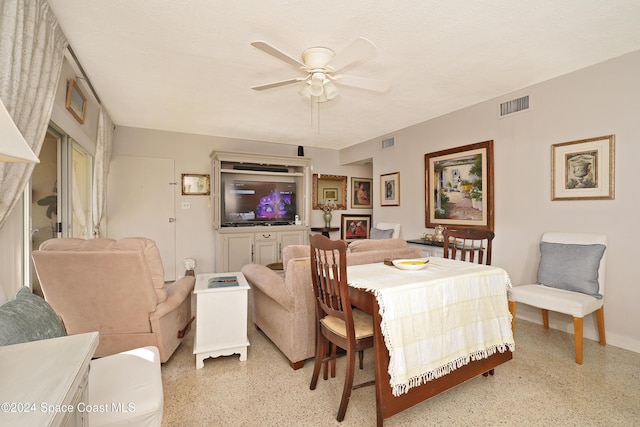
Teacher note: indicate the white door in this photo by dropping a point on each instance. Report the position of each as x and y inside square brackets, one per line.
[141, 203]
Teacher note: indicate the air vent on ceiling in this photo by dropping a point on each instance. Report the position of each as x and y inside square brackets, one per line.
[513, 106]
[388, 143]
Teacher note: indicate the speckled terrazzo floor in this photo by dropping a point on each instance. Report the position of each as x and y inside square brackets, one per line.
[541, 386]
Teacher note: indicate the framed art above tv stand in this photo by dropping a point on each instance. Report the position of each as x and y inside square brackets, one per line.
[260, 204]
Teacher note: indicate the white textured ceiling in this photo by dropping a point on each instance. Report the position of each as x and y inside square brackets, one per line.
[188, 65]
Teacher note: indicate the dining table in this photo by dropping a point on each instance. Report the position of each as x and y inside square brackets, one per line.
[434, 327]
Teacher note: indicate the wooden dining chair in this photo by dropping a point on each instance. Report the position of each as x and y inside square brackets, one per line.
[468, 244]
[338, 324]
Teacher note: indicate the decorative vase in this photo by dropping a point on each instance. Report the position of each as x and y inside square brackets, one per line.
[327, 219]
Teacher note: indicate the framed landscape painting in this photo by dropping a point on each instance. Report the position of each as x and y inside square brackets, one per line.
[583, 170]
[459, 187]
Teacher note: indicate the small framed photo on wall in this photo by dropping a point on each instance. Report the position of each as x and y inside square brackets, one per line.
[76, 102]
[361, 193]
[354, 227]
[583, 170]
[195, 184]
[390, 189]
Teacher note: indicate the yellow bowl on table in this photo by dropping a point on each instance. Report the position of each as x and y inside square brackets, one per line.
[411, 264]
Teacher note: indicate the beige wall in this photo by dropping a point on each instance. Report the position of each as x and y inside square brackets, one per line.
[191, 153]
[600, 100]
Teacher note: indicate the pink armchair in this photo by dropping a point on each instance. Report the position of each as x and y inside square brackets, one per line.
[117, 288]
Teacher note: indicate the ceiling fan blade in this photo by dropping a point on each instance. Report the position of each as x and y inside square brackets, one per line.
[357, 52]
[277, 84]
[267, 48]
[363, 83]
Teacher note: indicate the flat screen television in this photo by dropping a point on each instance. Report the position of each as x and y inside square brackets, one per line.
[259, 202]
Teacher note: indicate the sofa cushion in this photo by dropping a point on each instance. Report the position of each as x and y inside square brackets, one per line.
[364, 245]
[377, 234]
[28, 318]
[571, 267]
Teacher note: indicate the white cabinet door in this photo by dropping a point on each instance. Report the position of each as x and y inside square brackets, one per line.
[237, 251]
[287, 238]
[265, 248]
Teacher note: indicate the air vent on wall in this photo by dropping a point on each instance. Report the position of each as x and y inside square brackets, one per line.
[388, 143]
[513, 106]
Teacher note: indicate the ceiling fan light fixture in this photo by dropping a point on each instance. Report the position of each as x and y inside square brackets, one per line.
[306, 92]
[330, 89]
[316, 87]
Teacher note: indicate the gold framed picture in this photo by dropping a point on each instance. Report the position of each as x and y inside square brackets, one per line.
[195, 184]
[76, 102]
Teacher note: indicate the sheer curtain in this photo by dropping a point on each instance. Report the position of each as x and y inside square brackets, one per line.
[31, 56]
[101, 169]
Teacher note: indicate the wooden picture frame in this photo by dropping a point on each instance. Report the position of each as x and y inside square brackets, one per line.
[459, 187]
[361, 193]
[323, 182]
[195, 184]
[355, 227]
[584, 169]
[76, 102]
[390, 189]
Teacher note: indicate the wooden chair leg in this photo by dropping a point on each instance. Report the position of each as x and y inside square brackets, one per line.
[486, 374]
[512, 310]
[600, 318]
[334, 351]
[545, 318]
[319, 361]
[577, 332]
[348, 385]
[361, 358]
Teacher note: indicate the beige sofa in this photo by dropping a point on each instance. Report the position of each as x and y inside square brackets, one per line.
[283, 306]
[117, 288]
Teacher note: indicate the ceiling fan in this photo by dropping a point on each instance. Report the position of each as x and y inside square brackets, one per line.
[321, 65]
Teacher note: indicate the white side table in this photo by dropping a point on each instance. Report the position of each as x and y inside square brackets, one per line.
[221, 318]
[45, 382]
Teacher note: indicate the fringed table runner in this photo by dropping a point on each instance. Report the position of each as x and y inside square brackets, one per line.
[437, 319]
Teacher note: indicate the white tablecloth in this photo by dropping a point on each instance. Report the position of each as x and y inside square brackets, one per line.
[439, 318]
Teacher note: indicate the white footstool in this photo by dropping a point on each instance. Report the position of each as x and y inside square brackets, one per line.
[126, 389]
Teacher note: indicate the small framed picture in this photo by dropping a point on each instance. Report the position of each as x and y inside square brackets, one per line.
[361, 193]
[390, 189]
[330, 194]
[76, 102]
[583, 170]
[195, 184]
[354, 227]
